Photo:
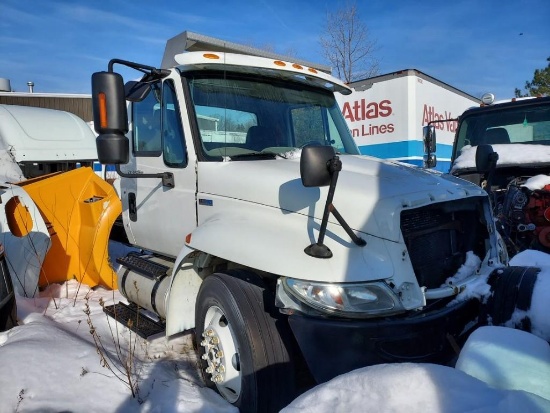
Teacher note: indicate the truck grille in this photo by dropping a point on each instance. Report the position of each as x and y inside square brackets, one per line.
[438, 237]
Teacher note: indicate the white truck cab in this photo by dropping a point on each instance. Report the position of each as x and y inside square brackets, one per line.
[41, 141]
[264, 230]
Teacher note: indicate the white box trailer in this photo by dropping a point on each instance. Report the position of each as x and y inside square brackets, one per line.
[386, 114]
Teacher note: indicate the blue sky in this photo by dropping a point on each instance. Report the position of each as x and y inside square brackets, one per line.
[474, 45]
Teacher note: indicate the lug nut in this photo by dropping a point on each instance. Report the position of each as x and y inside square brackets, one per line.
[219, 354]
[209, 332]
[204, 357]
[209, 370]
[215, 341]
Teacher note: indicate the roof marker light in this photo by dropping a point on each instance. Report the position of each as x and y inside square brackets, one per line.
[211, 56]
[279, 63]
[297, 66]
[312, 70]
[487, 98]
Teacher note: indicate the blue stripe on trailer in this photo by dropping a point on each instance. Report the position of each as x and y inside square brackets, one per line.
[410, 151]
[442, 165]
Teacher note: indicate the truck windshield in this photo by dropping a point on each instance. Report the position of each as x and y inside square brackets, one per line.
[240, 116]
[514, 125]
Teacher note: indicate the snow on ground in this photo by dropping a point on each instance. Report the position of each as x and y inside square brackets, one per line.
[53, 364]
[50, 363]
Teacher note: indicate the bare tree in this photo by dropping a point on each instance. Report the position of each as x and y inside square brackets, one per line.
[348, 46]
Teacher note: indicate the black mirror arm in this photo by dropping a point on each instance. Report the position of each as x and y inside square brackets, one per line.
[319, 250]
[356, 240]
[334, 166]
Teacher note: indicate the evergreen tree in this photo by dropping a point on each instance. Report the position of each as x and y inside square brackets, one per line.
[539, 86]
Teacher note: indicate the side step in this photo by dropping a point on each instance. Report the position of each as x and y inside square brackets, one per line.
[131, 317]
[147, 268]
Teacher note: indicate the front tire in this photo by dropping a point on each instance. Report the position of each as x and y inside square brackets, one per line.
[243, 348]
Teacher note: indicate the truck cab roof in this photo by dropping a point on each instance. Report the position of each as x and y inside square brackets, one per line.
[260, 65]
[34, 134]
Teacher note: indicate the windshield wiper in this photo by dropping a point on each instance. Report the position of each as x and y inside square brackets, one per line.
[254, 155]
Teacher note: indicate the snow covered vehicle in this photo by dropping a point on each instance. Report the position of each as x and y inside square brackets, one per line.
[273, 238]
[517, 176]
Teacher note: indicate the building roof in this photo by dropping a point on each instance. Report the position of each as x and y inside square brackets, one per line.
[365, 84]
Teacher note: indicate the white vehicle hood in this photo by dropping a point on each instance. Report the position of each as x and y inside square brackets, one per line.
[370, 193]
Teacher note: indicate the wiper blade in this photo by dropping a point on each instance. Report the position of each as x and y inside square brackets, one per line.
[254, 155]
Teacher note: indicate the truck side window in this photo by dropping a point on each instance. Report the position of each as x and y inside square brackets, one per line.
[173, 143]
[146, 124]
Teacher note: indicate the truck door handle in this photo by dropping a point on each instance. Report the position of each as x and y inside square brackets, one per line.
[132, 209]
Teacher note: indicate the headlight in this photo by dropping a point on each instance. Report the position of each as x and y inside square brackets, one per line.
[359, 300]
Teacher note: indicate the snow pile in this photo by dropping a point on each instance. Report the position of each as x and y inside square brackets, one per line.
[477, 288]
[537, 182]
[490, 351]
[508, 154]
[413, 388]
[53, 363]
[469, 268]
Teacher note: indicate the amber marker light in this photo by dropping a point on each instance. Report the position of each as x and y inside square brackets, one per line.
[188, 238]
[279, 63]
[312, 70]
[102, 110]
[211, 56]
[297, 66]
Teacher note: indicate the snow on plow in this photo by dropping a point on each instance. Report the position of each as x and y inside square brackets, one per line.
[56, 228]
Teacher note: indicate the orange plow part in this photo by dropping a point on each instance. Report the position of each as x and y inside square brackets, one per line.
[79, 209]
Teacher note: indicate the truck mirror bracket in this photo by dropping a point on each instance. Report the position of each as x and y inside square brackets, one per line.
[333, 166]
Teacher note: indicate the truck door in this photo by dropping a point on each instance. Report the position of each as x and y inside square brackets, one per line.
[158, 217]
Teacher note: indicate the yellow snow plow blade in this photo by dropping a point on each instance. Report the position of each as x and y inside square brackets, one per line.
[79, 209]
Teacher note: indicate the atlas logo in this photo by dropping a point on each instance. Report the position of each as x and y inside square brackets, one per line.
[361, 110]
[430, 115]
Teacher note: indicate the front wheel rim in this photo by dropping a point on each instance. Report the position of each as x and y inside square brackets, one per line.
[221, 355]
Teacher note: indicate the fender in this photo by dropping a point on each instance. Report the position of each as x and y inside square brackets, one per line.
[249, 240]
[184, 287]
